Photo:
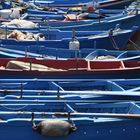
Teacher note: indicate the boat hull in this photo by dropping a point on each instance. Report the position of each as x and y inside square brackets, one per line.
[125, 23]
[79, 74]
[102, 42]
[119, 4]
[85, 130]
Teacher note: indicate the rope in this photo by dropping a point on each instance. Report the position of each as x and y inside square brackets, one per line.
[113, 42]
[134, 45]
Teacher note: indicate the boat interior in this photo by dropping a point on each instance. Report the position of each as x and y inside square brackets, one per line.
[63, 65]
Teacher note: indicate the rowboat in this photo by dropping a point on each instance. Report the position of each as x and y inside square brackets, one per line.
[126, 20]
[57, 18]
[92, 121]
[40, 15]
[78, 68]
[63, 54]
[96, 24]
[68, 14]
[21, 91]
[54, 38]
[70, 84]
[101, 3]
[57, 13]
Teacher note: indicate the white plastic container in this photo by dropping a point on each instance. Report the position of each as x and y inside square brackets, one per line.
[74, 45]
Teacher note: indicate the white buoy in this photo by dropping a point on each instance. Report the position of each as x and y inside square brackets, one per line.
[74, 44]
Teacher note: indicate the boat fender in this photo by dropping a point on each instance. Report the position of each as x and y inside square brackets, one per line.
[54, 128]
[74, 45]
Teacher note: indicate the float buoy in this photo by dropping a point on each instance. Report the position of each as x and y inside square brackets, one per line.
[55, 128]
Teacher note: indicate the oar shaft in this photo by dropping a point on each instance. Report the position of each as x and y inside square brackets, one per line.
[107, 93]
[101, 115]
[77, 114]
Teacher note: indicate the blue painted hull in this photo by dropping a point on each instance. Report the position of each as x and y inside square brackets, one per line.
[54, 54]
[78, 75]
[101, 43]
[44, 90]
[67, 84]
[86, 130]
[93, 41]
[126, 22]
[92, 126]
[104, 3]
[118, 6]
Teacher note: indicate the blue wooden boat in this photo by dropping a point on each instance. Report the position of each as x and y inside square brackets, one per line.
[64, 54]
[67, 3]
[56, 19]
[31, 90]
[44, 84]
[41, 15]
[77, 68]
[96, 24]
[53, 38]
[60, 13]
[126, 20]
[58, 54]
[92, 121]
[69, 84]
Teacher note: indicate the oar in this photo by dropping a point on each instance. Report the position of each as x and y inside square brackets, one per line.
[54, 80]
[76, 114]
[58, 101]
[89, 93]
[39, 97]
[99, 115]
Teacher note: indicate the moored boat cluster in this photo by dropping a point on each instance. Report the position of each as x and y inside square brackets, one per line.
[69, 69]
